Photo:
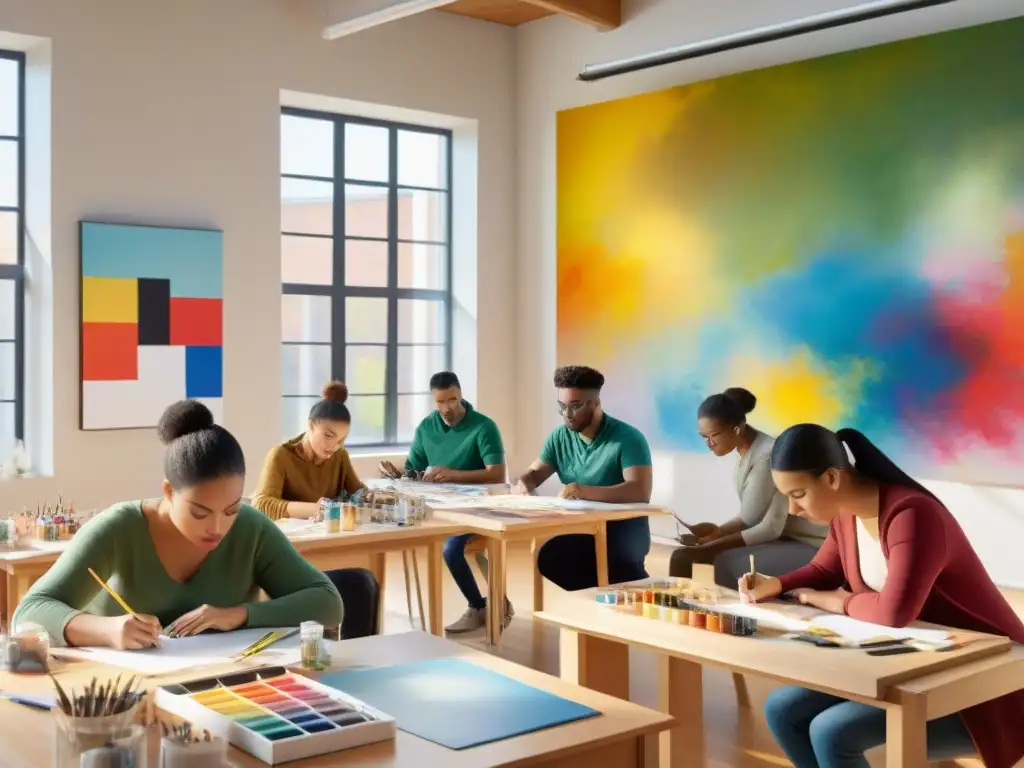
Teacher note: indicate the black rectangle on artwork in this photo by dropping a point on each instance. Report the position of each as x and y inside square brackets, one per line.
[154, 311]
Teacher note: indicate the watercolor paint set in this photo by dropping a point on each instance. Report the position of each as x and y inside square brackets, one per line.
[276, 715]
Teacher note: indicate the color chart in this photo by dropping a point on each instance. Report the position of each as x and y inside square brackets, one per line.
[151, 322]
[842, 236]
[276, 716]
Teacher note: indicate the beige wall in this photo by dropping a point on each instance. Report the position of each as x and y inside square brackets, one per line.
[167, 112]
[551, 52]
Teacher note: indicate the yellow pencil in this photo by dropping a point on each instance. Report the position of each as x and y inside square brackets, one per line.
[111, 592]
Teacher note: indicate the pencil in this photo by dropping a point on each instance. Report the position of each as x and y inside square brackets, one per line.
[111, 592]
[751, 577]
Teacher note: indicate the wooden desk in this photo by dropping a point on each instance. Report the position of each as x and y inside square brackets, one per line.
[325, 550]
[594, 652]
[623, 736]
[501, 529]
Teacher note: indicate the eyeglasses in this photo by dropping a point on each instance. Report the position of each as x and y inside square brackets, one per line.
[711, 439]
[571, 409]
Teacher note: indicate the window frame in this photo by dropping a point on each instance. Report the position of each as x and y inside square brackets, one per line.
[16, 272]
[338, 291]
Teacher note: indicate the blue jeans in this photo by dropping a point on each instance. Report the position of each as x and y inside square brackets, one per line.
[816, 729]
[455, 557]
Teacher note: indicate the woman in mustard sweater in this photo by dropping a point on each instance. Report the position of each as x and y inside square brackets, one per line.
[301, 473]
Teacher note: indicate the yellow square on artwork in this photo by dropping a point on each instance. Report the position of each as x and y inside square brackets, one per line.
[110, 300]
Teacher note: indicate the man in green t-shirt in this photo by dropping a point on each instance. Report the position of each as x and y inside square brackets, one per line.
[457, 444]
[597, 458]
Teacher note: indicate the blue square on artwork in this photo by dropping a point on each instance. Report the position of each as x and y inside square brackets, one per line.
[204, 372]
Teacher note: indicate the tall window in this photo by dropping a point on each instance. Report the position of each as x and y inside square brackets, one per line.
[12, 251]
[365, 268]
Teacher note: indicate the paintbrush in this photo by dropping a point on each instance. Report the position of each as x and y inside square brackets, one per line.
[752, 576]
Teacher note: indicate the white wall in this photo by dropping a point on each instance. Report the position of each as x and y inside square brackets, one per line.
[167, 112]
[551, 52]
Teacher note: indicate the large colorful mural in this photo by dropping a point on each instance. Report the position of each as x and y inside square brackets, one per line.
[842, 236]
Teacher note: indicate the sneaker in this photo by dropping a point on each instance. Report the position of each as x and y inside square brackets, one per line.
[509, 613]
[472, 619]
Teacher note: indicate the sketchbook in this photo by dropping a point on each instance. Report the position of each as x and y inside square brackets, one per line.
[177, 653]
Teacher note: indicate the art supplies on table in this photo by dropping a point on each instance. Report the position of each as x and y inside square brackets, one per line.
[26, 650]
[457, 704]
[676, 602]
[312, 647]
[97, 727]
[177, 653]
[275, 715]
[182, 746]
[41, 701]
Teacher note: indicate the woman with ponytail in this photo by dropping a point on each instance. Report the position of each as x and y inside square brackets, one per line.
[894, 555]
[301, 473]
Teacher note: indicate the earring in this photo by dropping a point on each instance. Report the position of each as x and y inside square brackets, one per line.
[737, 430]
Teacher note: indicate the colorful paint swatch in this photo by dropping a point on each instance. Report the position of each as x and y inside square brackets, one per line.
[145, 289]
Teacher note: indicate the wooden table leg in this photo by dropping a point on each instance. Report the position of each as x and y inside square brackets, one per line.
[419, 591]
[906, 742]
[601, 550]
[538, 579]
[593, 662]
[495, 589]
[379, 569]
[680, 694]
[435, 572]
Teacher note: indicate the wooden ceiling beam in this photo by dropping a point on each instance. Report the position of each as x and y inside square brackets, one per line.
[603, 14]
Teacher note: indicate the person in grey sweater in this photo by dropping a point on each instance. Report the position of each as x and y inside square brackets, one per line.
[780, 541]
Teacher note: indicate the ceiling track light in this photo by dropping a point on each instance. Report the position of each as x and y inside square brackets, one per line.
[854, 15]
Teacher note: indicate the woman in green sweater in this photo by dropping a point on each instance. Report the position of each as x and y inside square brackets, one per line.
[192, 560]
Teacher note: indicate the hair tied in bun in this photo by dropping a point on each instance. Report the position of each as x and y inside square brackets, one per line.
[335, 391]
[183, 418]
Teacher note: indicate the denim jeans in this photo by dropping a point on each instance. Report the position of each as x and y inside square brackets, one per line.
[818, 730]
[455, 557]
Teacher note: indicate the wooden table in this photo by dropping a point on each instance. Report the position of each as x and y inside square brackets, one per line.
[623, 736]
[325, 550]
[594, 652]
[502, 528]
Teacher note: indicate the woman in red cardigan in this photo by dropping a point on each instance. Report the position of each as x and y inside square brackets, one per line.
[894, 555]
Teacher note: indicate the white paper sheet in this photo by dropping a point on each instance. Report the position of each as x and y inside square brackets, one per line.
[859, 631]
[175, 654]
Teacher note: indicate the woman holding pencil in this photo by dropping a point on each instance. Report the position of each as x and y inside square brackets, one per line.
[191, 560]
[894, 555]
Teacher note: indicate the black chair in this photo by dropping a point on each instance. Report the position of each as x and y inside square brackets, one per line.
[360, 594]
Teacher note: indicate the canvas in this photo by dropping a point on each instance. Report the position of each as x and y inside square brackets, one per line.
[842, 236]
[151, 322]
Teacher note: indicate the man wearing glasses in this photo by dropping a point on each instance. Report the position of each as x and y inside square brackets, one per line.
[597, 458]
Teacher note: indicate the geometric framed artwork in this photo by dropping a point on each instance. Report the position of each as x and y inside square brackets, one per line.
[151, 322]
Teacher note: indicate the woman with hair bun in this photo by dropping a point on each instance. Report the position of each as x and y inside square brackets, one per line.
[303, 472]
[894, 555]
[763, 527]
[193, 559]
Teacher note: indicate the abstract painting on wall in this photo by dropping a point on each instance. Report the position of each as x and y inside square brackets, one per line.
[151, 322]
[843, 236]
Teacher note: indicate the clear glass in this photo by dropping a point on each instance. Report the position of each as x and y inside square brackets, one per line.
[422, 159]
[421, 265]
[366, 152]
[412, 409]
[367, 420]
[307, 146]
[6, 370]
[295, 414]
[422, 216]
[416, 364]
[305, 368]
[6, 432]
[8, 173]
[366, 263]
[422, 321]
[366, 211]
[307, 260]
[9, 103]
[305, 318]
[366, 320]
[7, 295]
[307, 207]
[365, 368]
[8, 237]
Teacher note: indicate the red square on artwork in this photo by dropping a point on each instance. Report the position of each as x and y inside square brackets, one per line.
[196, 322]
[110, 351]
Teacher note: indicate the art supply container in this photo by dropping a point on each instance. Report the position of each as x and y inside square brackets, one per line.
[349, 517]
[115, 741]
[606, 598]
[311, 644]
[332, 516]
[27, 649]
[197, 754]
[712, 617]
[682, 614]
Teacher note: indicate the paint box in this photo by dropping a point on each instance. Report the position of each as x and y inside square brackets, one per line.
[276, 715]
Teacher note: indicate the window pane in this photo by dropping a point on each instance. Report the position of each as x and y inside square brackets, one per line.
[305, 318]
[307, 146]
[412, 409]
[364, 370]
[307, 260]
[367, 420]
[417, 364]
[8, 97]
[421, 321]
[422, 266]
[8, 172]
[366, 152]
[307, 206]
[422, 215]
[366, 263]
[305, 368]
[8, 237]
[422, 159]
[295, 414]
[6, 309]
[366, 211]
[366, 320]
[6, 370]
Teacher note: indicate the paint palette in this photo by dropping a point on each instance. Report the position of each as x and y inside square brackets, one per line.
[276, 715]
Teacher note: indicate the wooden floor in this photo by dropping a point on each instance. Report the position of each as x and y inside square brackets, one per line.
[736, 738]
